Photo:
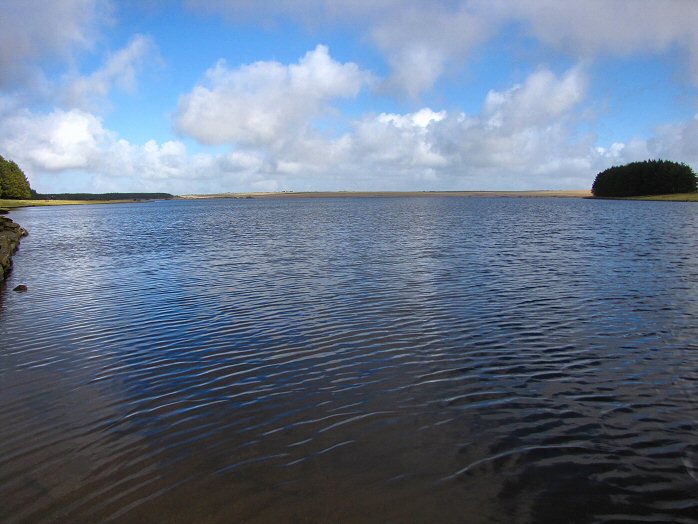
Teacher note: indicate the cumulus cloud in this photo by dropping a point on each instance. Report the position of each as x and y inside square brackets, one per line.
[606, 26]
[421, 39]
[542, 98]
[30, 32]
[120, 69]
[676, 141]
[523, 137]
[55, 141]
[266, 103]
[419, 44]
[71, 150]
[600, 28]
[398, 141]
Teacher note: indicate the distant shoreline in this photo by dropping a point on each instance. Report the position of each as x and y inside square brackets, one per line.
[11, 204]
[543, 193]
[572, 193]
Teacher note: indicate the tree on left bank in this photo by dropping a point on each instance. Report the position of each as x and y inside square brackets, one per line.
[13, 181]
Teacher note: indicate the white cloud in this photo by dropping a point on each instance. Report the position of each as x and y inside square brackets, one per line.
[608, 27]
[524, 137]
[419, 39]
[677, 141]
[418, 120]
[422, 39]
[69, 151]
[32, 31]
[605, 26]
[52, 142]
[393, 141]
[266, 103]
[542, 98]
[521, 136]
[120, 69]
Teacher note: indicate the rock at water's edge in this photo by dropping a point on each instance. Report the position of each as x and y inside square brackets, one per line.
[21, 288]
[10, 234]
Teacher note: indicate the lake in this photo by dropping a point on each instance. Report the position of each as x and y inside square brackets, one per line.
[352, 360]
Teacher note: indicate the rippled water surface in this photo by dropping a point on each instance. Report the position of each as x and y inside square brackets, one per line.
[352, 360]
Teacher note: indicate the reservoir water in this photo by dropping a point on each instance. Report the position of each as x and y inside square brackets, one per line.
[394, 360]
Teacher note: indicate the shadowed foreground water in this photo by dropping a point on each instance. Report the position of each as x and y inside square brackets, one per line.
[352, 360]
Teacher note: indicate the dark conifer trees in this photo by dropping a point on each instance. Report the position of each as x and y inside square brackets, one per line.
[651, 177]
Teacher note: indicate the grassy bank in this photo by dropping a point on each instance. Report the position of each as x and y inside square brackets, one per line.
[676, 197]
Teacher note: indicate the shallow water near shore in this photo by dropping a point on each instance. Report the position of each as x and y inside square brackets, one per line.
[352, 360]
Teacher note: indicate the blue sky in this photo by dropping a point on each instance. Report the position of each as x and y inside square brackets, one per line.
[200, 96]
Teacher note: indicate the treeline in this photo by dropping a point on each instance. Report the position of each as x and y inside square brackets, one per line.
[13, 181]
[102, 196]
[650, 177]
[14, 185]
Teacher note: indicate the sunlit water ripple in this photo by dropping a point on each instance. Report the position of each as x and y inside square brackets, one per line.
[352, 360]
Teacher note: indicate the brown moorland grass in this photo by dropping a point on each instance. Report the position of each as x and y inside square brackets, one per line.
[553, 193]
[10, 203]
[388, 194]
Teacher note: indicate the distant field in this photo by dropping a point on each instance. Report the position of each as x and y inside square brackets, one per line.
[65, 199]
[384, 194]
[573, 193]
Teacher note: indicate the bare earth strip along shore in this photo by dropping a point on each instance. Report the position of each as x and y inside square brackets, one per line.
[384, 194]
[10, 203]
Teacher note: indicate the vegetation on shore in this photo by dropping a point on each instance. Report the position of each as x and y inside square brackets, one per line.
[15, 191]
[13, 181]
[650, 177]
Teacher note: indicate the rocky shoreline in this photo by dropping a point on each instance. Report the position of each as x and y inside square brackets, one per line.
[10, 235]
